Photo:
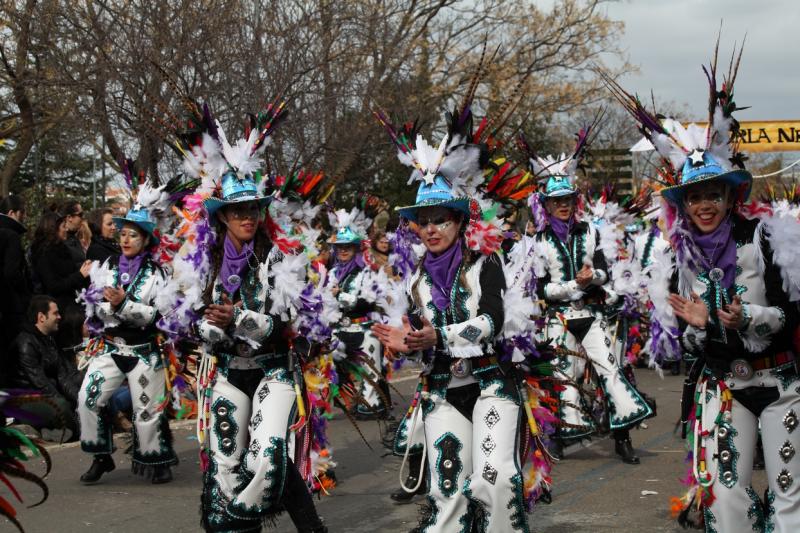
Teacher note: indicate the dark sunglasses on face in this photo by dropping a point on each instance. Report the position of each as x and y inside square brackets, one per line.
[244, 211]
[436, 221]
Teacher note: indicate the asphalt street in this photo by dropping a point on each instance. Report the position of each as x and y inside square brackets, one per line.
[592, 490]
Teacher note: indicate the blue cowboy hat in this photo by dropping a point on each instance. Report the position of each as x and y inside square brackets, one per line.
[700, 167]
[558, 186]
[436, 194]
[346, 235]
[235, 190]
[141, 219]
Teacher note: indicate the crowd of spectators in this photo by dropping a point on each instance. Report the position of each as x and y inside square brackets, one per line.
[41, 323]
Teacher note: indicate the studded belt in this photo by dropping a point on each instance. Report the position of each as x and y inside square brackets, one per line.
[745, 369]
[129, 350]
[348, 321]
[461, 368]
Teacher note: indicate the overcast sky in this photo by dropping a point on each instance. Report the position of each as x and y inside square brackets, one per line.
[669, 40]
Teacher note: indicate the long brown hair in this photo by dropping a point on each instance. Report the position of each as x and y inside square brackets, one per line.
[261, 248]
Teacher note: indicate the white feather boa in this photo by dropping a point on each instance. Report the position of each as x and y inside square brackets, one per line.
[783, 234]
[659, 274]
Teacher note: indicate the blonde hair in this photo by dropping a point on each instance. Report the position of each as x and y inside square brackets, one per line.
[84, 235]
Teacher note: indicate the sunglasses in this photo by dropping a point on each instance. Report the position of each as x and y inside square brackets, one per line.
[244, 212]
[436, 221]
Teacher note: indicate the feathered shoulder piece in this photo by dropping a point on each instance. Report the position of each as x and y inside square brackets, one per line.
[678, 145]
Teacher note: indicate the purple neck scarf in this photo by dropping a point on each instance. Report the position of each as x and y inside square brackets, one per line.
[129, 267]
[233, 264]
[442, 270]
[344, 269]
[719, 250]
[560, 228]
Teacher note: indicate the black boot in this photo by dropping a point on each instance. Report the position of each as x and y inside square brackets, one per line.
[624, 448]
[556, 448]
[415, 469]
[102, 463]
[298, 503]
[161, 474]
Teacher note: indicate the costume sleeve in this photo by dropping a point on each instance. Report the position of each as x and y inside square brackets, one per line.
[466, 339]
[565, 291]
[764, 321]
[139, 313]
[212, 334]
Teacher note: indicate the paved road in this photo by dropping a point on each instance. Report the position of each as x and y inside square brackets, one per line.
[592, 492]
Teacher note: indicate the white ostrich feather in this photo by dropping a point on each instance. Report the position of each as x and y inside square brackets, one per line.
[355, 219]
[626, 277]
[783, 233]
[290, 273]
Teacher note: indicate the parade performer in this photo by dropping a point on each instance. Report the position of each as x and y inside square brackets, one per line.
[356, 285]
[121, 315]
[468, 400]
[728, 296]
[572, 274]
[244, 278]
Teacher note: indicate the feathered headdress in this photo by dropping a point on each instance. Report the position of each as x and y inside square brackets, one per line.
[556, 176]
[452, 173]
[351, 226]
[695, 154]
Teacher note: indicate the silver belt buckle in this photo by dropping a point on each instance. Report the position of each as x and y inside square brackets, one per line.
[741, 369]
[578, 305]
[346, 322]
[461, 368]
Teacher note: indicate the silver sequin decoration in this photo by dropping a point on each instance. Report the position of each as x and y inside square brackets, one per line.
[785, 480]
[790, 420]
[787, 451]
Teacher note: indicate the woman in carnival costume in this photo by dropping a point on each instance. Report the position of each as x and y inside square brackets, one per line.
[357, 286]
[572, 277]
[727, 296]
[250, 279]
[469, 400]
[122, 312]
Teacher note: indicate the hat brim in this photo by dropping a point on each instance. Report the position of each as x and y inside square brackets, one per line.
[333, 240]
[213, 205]
[457, 204]
[734, 178]
[147, 227]
[561, 193]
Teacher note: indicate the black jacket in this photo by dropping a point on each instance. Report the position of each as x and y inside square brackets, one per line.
[101, 249]
[58, 274]
[40, 367]
[15, 280]
[75, 249]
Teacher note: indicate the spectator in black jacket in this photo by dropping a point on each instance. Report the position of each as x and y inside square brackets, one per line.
[55, 269]
[104, 235]
[40, 366]
[15, 281]
[72, 213]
